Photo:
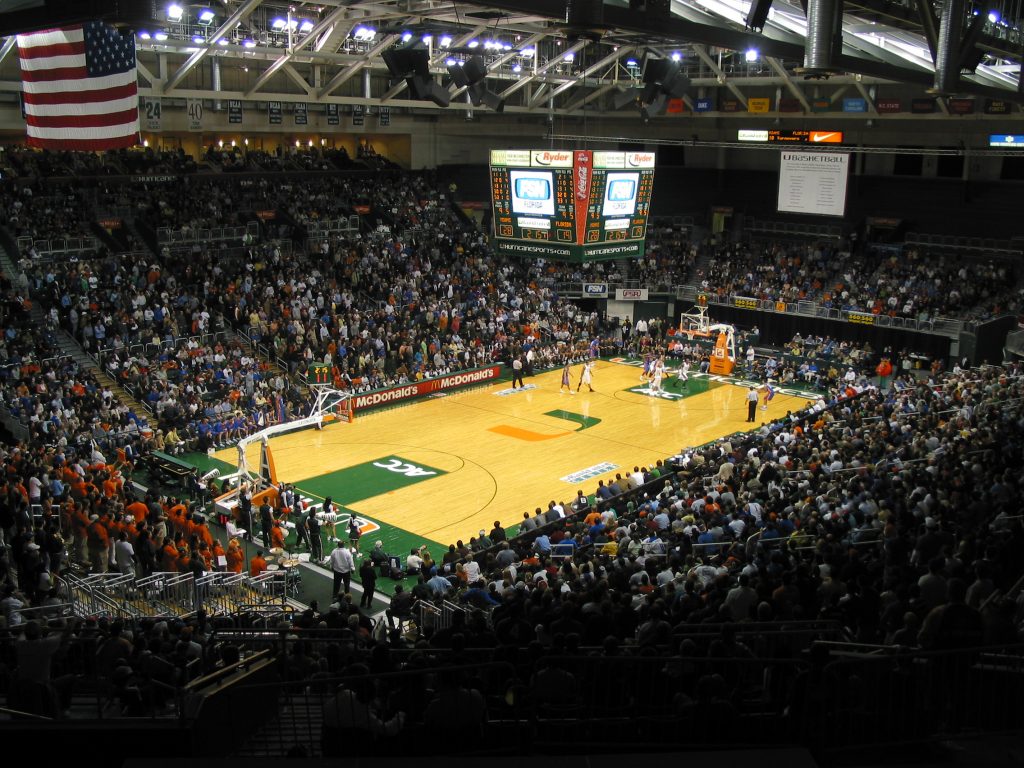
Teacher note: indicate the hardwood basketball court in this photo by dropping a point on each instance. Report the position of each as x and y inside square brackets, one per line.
[444, 468]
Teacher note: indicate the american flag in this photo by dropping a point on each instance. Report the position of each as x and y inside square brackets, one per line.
[80, 88]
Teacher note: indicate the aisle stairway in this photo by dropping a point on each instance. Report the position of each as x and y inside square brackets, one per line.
[74, 350]
[298, 723]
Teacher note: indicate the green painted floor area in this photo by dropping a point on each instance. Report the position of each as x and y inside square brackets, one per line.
[585, 422]
[369, 479]
[348, 486]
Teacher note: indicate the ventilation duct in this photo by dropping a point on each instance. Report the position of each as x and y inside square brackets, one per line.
[824, 36]
[947, 55]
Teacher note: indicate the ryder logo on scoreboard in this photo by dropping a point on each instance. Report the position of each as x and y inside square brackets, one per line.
[550, 159]
[640, 159]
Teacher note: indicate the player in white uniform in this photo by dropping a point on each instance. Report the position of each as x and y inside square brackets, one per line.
[658, 374]
[585, 376]
[684, 372]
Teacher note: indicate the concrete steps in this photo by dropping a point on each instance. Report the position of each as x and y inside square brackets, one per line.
[69, 346]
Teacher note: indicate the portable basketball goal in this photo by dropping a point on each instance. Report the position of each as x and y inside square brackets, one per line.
[329, 405]
[696, 324]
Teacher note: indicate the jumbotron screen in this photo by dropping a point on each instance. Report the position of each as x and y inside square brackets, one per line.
[573, 205]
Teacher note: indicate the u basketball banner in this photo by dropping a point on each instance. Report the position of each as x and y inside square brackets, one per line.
[426, 387]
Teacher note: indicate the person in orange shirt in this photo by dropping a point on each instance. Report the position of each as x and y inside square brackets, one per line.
[235, 557]
[257, 565]
[97, 541]
[207, 556]
[216, 553]
[138, 510]
[277, 535]
[202, 532]
[169, 559]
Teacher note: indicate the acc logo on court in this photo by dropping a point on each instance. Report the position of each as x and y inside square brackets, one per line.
[403, 468]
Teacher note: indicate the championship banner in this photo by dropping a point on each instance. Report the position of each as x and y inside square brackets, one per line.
[234, 111]
[332, 115]
[582, 164]
[274, 112]
[301, 113]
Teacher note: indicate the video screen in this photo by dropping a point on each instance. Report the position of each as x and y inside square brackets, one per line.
[533, 192]
[620, 194]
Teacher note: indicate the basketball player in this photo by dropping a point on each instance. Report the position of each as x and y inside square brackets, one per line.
[565, 378]
[684, 372]
[648, 363]
[595, 348]
[658, 374]
[769, 394]
[585, 376]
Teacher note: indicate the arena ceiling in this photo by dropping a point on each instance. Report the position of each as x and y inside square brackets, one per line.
[332, 50]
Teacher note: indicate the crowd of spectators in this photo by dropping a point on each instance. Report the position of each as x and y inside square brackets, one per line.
[887, 517]
[913, 284]
[50, 212]
[889, 513]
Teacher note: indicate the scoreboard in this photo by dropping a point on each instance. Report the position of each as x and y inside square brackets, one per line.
[576, 205]
[319, 373]
[776, 136]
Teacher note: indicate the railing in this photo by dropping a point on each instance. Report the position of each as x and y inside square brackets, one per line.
[979, 245]
[89, 598]
[222, 593]
[170, 235]
[45, 613]
[47, 249]
[167, 593]
[331, 226]
[146, 349]
[940, 325]
[793, 229]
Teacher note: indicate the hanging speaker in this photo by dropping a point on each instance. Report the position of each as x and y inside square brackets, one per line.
[458, 73]
[627, 97]
[493, 101]
[402, 61]
[475, 69]
[424, 88]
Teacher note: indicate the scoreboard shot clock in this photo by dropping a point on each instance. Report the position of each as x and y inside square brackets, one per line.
[319, 373]
[571, 205]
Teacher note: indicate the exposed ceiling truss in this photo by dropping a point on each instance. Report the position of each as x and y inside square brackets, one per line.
[331, 51]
